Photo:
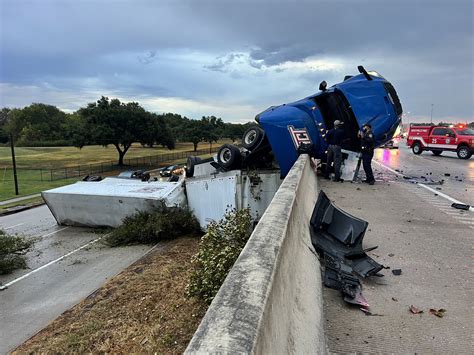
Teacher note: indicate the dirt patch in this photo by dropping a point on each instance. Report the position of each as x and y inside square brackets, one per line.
[143, 309]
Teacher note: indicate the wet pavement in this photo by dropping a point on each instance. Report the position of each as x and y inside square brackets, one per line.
[65, 266]
[457, 174]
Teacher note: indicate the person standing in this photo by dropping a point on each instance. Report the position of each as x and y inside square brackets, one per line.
[367, 149]
[335, 137]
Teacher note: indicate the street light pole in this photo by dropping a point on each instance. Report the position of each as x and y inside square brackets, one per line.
[432, 113]
[14, 164]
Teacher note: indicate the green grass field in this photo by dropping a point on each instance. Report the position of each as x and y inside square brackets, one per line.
[32, 180]
[59, 157]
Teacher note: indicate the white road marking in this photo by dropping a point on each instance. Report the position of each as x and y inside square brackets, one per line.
[52, 262]
[16, 225]
[449, 198]
[59, 230]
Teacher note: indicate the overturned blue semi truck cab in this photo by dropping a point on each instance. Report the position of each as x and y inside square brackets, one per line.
[364, 98]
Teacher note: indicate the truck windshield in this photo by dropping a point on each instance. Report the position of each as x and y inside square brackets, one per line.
[466, 132]
[334, 106]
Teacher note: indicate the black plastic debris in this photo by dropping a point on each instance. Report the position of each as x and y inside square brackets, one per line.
[447, 174]
[461, 206]
[337, 237]
[397, 272]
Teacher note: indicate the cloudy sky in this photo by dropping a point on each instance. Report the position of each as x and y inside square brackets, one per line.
[234, 58]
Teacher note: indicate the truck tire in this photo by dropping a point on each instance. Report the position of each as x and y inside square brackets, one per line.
[464, 152]
[192, 160]
[229, 156]
[252, 137]
[437, 152]
[416, 148]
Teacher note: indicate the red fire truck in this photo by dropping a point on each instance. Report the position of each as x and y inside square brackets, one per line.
[459, 139]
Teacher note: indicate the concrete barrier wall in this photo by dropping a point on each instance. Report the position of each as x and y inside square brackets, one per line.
[271, 301]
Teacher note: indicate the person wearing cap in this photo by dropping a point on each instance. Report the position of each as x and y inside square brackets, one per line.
[335, 137]
[367, 149]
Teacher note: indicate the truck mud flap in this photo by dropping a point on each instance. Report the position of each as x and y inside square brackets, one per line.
[337, 237]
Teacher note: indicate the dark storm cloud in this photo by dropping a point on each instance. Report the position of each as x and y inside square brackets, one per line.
[228, 51]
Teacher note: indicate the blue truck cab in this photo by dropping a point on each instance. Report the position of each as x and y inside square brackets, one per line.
[364, 98]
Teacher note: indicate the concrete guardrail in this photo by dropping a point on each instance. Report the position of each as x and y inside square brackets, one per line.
[271, 301]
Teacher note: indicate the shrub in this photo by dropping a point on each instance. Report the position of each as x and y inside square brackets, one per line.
[151, 227]
[12, 251]
[219, 249]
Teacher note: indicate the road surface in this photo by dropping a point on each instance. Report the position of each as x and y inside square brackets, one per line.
[65, 266]
[418, 232]
[460, 182]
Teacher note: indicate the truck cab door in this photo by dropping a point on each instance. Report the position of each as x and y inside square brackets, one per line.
[451, 138]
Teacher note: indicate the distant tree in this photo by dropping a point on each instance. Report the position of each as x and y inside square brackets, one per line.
[155, 131]
[75, 130]
[193, 132]
[213, 129]
[35, 123]
[4, 136]
[112, 122]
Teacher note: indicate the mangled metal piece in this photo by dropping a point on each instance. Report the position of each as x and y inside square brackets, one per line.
[337, 237]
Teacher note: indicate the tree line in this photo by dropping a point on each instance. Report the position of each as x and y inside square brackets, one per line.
[110, 122]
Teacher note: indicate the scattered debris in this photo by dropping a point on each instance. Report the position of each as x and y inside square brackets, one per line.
[369, 313]
[397, 272]
[461, 206]
[447, 174]
[394, 299]
[438, 188]
[391, 254]
[337, 238]
[438, 312]
[415, 310]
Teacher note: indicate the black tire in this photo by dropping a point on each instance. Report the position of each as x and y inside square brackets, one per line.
[464, 152]
[416, 148]
[437, 152]
[229, 157]
[252, 137]
[192, 160]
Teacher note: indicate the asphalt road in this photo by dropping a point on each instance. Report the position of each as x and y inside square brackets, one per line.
[65, 266]
[417, 231]
[425, 167]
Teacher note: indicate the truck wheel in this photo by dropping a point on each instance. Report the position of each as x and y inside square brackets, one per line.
[252, 137]
[192, 160]
[464, 152]
[416, 148]
[229, 156]
[437, 152]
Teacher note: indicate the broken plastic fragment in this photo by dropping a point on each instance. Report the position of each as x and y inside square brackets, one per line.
[415, 310]
[397, 272]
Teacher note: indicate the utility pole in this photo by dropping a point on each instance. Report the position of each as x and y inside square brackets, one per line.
[432, 113]
[14, 164]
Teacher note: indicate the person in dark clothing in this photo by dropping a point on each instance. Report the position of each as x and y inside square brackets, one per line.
[367, 149]
[335, 137]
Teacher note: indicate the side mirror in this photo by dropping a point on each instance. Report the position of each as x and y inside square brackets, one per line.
[323, 85]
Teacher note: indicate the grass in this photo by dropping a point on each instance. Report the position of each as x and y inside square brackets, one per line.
[142, 310]
[60, 157]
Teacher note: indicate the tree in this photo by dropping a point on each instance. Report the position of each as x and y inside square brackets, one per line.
[213, 128]
[193, 132]
[4, 138]
[112, 122]
[155, 131]
[36, 123]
